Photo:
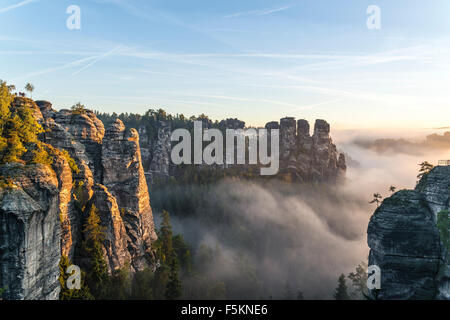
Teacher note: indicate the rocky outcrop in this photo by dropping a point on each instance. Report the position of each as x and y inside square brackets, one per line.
[159, 155]
[30, 233]
[405, 241]
[84, 128]
[124, 177]
[116, 237]
[42, 216]
[308, 158]
[303, 157]
[232, 124]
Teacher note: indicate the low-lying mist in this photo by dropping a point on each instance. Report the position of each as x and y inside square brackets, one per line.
[273, 239]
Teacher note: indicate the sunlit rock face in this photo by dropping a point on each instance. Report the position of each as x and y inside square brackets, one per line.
[124, 177]
[405, 241]
[43, 216]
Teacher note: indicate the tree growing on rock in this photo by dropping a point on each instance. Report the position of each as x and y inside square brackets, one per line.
[376, 199]
[425, 168]
[19, 132]
[78, 108]
[30, 88]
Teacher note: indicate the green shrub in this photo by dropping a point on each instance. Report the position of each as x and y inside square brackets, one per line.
[72, 164]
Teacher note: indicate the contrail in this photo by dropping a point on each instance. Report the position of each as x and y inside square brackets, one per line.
[17, 5]
[99, 58]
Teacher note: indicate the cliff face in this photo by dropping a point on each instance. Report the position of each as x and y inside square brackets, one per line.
[42, 215]
[405, 241]
[30, 233]
[124, 177]
[308, 158]
[303, 157]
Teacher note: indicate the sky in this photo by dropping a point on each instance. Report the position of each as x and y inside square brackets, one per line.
[255, 60]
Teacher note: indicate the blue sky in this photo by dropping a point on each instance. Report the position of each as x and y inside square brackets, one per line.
[255, 60]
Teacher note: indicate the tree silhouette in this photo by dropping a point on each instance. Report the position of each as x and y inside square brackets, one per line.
[425, 168]
[359, 280]
[376, 199]
[173, 288]
[341, 292]
[30, 88]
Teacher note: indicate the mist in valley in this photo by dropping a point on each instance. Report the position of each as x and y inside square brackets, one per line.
[276, 239]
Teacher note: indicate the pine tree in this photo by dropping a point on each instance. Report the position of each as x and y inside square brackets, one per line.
[341, 292]
[98, 278]
[30, 88]
[67, 294]
[165, 237]
[173, 289]
[376, 199]
[425, 168]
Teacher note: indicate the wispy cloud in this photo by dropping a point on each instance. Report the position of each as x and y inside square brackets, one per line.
[17, 5]
[261, 12]
[80, 62]
[98, 59]
[53, 69]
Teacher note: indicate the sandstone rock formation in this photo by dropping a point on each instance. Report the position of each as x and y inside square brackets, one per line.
[124, 177]
[308, 158]
[303, 157]
[405, 241]
[157, 153]
[29, 233]
[42, 217]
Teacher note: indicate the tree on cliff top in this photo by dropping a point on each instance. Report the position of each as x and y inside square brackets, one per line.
[425, 168]
[30, 88]
[376, 199]
[19, 132]
[392, 189]
[78, 108]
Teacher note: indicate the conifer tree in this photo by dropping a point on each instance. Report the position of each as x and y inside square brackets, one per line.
[425, 168]
[98, 278]
[173, 289]
[166, 236]
[30, 88]
[74, 294]
[341, 292]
